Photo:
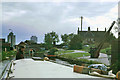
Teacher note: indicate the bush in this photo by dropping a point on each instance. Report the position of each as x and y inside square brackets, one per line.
[53, 50]
[78, 61]
[106, 51]
[8, 54]
[114, 67]
[75, 43]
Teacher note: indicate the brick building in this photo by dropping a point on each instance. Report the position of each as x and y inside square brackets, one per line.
[92, 36]
[4, 45]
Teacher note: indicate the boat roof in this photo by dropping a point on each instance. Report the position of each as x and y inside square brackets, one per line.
[29, 68]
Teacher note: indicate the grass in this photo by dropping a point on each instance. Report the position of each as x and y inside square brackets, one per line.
[72, 58]
[64, 51]
[75, 55]
[105, 50]
[86, 49]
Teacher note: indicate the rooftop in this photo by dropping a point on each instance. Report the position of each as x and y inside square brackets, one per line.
[28, 68]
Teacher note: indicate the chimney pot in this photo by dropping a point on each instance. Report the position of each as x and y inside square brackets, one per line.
[105, 29]
[88, 28]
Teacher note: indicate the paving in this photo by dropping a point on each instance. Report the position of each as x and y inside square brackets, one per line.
[103, 58]
[28, 68]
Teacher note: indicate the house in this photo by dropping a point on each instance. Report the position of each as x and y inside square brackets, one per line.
[4, 45]
[89, 36]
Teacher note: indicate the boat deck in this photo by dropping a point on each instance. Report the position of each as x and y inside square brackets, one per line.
[28, 68]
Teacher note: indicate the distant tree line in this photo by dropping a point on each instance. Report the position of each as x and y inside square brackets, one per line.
[70, 41]
[51, 39]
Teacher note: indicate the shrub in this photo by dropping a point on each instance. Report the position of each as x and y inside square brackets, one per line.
[106, 51]
[76, 42]
[53, 50]
[114, 67]
[78, 61]
[8, 54]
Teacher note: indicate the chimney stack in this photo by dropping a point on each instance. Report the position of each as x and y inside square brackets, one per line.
[81, 22]
[97, 29]
[88, 28]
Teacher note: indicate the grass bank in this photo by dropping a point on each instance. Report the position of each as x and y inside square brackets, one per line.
[72, 58]
[63, 51]
[75, 55]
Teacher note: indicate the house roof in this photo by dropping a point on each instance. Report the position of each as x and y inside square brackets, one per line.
[92, 33]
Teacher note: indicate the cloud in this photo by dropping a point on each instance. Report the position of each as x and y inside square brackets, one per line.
[100, 21]
[11, 15]
[40, 18]
[59, 1]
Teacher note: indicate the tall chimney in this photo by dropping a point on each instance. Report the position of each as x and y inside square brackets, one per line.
[97, 29]
[81, 22]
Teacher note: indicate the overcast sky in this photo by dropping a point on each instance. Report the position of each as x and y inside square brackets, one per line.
[37, 18]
